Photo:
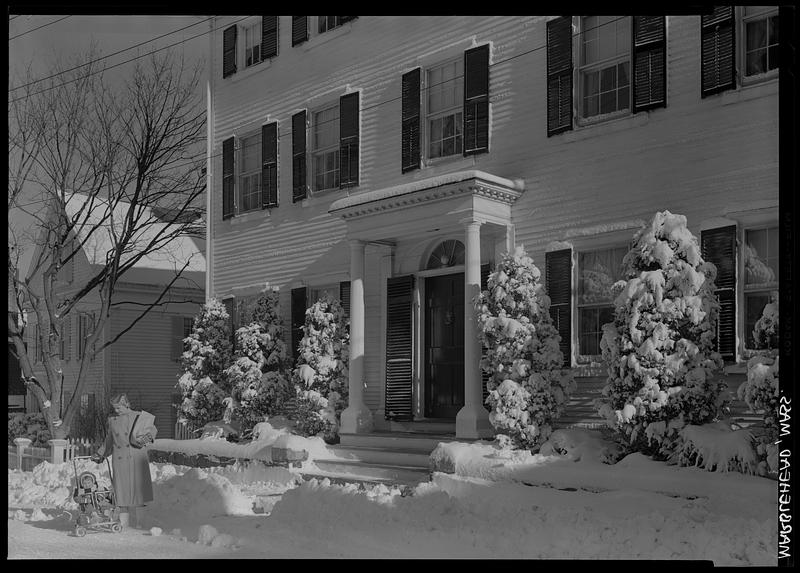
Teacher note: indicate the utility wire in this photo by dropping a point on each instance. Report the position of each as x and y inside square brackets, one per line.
[108, 56]
[121, 63]
[39, 27]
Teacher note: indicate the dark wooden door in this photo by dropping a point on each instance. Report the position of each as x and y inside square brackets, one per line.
[444, 345]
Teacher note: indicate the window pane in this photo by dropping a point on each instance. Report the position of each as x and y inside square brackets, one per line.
[623, 98]
[772, 37]
[754, 305]
[591, 106]
[608, 102]
[761, 256]
[447, 127]
[591, 83]
[447, 147]
[608, 79]
[622, 74]
[756, 34]
[436, 130]
[756, 62]
[599, 270]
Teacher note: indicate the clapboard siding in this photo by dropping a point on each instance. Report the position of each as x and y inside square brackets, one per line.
[624, 165]
[141, 362]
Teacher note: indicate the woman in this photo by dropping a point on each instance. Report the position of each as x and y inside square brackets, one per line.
[128, 431]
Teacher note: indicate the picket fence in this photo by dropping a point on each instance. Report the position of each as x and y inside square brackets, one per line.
[23, 456]
[185, 431]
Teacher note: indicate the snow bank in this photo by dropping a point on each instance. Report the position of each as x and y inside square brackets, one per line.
[478, 459]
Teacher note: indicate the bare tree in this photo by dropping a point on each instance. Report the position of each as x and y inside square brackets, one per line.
[110, 171]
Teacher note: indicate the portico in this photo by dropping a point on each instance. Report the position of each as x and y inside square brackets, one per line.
[472, 208]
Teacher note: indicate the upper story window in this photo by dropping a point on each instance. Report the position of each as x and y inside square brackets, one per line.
[252, 44]
[250, 173]
[326, 23]
[760, 28]
[325, 148]
[760, 276]
[598, 270]
[605, 65]
[444, 109]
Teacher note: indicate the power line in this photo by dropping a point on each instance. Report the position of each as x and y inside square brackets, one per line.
[109, 55]
[121, 63]
[39, 27]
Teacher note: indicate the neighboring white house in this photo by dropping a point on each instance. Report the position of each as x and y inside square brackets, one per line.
[145, 361]
[391, 160]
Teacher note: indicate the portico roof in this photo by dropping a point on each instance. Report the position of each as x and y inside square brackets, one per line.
[441, 201]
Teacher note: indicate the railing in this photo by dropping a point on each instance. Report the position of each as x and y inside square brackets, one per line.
[185, 431]
[23, 456]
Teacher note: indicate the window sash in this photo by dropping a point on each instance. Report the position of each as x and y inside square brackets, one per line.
[605, 70]
[445, 134]
[444, 109]
[325, 154]
[764, 57]
[250, 190]
[761, 268]
[326, 170]
[252, 44]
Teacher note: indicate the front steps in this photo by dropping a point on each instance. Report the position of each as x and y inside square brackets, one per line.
[398, 457]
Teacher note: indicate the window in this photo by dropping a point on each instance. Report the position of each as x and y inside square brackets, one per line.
[87, 403]
[252, 44]
[250, 173]
[326, 23]
[605, 65]
[761, 52]
[598, 271]
[325, 150]
[319, 292]
[760, 276]
[444, 109]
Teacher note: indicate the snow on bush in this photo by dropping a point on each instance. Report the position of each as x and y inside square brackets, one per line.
[258, 379]
[208, 353]
[659, 350]
[760, 391]
[716, 447]
[527, 386]
[31, 426]
[321, 376]
[581, 445]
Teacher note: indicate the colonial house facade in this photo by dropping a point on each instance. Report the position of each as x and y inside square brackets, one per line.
[145, 361]
[390, 161]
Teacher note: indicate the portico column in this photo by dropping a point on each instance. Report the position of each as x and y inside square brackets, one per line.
[356, 418]
[472, 421]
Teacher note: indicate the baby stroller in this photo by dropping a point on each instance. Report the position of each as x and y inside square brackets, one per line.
[98, 506]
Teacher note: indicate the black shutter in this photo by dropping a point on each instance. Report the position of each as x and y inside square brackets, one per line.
[269, 165]
[559, 75]
[299, 29]
[348, 140]
[718, 40]
[649, 62]
[269, 37]
[485, 271]
[558, 266]
[299, 302]
[399, 347]
[344, 296]
[410, 118]
[228, 185]
[718, 246]
[229, 51]
[476, 100]
[299, 191]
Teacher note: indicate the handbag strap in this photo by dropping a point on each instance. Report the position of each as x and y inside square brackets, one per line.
[130, 436]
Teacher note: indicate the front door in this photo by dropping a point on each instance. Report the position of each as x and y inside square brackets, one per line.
[444, 345]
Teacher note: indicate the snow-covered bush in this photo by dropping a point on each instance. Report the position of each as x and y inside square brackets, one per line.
[659, 350]
[258, 381]
[321, 376]
[716, 447]
[527, 386]
[203, 383]
[760, 391]
[31, 426]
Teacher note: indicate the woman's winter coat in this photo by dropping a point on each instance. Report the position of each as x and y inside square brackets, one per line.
[132, 484]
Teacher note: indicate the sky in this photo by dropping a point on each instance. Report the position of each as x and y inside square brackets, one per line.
[70, 37]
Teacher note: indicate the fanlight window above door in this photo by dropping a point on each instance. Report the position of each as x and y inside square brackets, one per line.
[447, 254]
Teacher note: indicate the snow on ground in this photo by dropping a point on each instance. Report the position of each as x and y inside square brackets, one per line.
[547, 506]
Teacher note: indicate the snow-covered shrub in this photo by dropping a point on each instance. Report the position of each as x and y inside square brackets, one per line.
[659, 350]
[203, 383]
[716, 447]
[321, 376]
[760, 391]
[31, 426]
[258, 380]
[527, 386]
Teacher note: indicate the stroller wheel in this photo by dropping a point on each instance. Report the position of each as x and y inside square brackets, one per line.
[116, 528]
[80, 531]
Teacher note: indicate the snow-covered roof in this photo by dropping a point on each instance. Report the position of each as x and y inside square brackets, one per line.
[170, 257]
[428, 183]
